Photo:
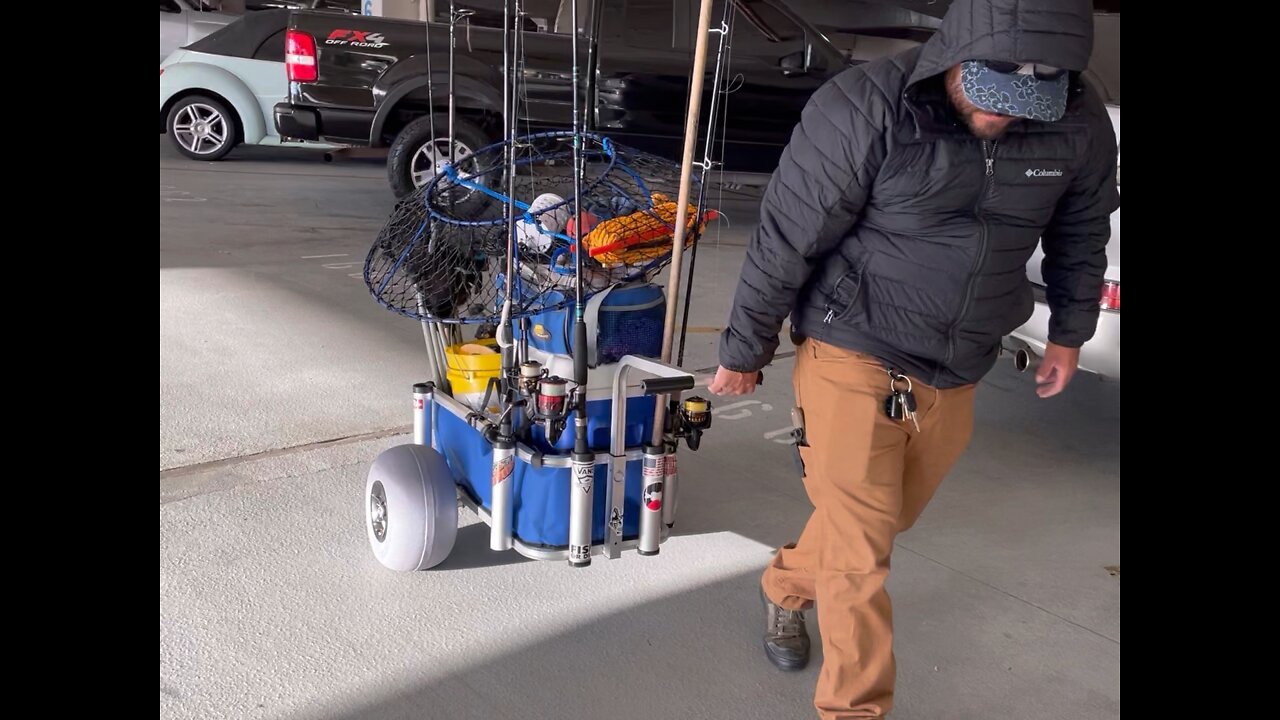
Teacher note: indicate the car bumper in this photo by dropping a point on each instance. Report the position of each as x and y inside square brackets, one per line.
[297, 123]
[1101, 355]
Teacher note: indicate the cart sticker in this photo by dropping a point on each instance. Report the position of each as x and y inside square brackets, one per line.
[502, 470]
[578, 553]
[671, 465]
[584, 476]
[653, 496]
[419, 403]
[654, 467]
[357, 38]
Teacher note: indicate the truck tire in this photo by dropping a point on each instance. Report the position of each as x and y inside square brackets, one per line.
[415, 157]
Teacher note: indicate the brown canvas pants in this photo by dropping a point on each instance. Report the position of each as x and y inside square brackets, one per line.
[869, 477]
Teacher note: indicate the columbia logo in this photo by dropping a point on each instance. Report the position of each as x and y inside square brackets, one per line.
[1032, 172]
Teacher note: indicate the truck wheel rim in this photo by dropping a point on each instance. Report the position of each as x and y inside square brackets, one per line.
[431, 159]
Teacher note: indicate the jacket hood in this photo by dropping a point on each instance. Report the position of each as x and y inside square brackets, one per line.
[1052, 32]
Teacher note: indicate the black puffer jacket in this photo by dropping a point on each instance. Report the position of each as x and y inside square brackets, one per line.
[888, 228]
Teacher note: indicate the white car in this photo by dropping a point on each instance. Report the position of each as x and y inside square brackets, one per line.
[183, 22]
[219, 91]
[1101, 355]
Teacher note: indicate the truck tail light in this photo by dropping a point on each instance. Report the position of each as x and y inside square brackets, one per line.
[300, 56]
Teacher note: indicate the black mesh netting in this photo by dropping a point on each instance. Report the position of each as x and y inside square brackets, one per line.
[443, 253]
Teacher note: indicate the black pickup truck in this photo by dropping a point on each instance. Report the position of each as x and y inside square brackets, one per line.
[364, 80]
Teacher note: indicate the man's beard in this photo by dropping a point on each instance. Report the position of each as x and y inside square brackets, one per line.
[968, 113]
[981, 132]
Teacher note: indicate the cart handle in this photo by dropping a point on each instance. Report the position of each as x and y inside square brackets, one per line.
[663, 379]
[666, 385]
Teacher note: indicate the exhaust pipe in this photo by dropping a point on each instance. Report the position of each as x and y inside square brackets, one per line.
[1024, 360]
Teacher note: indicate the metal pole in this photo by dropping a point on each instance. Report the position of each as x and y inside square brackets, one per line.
[504, 465]
[615, 484]
[442, 347]
[652, 478]
[433, 351]
[435, 422]
[581, 496]
[434, 357]
[422, 402]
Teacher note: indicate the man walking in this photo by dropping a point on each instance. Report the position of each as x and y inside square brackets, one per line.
[895, 233]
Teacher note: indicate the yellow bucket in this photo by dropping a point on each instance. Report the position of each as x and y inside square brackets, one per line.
[471, 365]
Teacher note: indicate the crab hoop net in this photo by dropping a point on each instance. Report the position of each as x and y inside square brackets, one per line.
[442, 256]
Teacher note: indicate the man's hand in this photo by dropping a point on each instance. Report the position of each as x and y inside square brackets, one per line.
[1057, 367]
[728, 382]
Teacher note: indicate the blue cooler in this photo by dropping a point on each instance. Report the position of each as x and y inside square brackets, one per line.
[622, 320]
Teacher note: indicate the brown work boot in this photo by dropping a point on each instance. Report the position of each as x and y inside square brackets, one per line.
[786, 641]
